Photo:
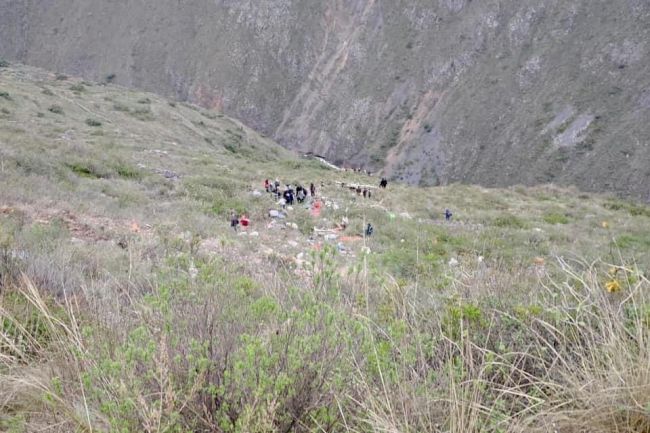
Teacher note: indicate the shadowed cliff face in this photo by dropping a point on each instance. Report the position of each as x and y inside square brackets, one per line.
[496, 92]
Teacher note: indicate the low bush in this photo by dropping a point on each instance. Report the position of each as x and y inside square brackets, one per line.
[56, 109]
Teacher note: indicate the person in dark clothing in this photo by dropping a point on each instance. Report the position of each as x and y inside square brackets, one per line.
[312, 190]
[301, 193]
[369, 230]
[234, 221]
[383, 183]
[365, 193]
[288, 196]
[448, 215]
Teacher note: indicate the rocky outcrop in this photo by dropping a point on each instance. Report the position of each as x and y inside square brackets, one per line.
[496, 92]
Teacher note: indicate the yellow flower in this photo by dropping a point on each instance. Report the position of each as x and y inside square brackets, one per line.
[613, 286]
[605, 224]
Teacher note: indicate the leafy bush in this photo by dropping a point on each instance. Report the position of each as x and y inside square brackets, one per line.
[56, 109]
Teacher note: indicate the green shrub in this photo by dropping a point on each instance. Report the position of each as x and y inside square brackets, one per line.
[6, 96]
[144, 101]
[78, 88]
[4, 63]
[56, 109]
[93, 122]
[143, 114]
[121, 107]
[47, 92]
[61, 77]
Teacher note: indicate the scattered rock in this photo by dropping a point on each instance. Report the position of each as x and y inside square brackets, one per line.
[453, 262]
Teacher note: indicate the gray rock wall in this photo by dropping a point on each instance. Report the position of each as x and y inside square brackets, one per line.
[496, 92]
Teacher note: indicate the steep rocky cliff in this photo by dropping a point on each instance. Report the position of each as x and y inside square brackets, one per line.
[496, 92]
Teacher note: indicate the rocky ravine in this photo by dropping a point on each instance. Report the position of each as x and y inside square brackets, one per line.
[496, 92]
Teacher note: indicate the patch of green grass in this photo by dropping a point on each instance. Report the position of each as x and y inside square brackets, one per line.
[509, 221]
[128, 172]
[628, 241]
[556, 218]
[634, 209]
[87, 170]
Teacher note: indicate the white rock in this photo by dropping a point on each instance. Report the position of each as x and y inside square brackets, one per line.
[330, 237]
[256, 193]
[254, 234]
[293, 243]
[453, 262]
[480, 259]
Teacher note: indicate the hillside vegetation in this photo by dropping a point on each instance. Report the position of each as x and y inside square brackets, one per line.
[128, 304]
[432, 92]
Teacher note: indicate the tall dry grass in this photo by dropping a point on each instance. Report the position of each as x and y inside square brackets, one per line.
[581, 363]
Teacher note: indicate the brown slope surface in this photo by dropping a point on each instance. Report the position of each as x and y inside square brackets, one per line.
[496, 92]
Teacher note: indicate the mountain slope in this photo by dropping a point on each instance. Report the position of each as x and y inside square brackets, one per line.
[432, 92]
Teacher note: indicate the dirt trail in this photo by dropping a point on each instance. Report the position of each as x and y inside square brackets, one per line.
[84, 227]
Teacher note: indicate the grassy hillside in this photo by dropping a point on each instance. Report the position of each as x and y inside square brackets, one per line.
[128, 304]
[432, 92]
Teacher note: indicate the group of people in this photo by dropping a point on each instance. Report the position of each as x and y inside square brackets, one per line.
[289, 194]
[383, 183]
